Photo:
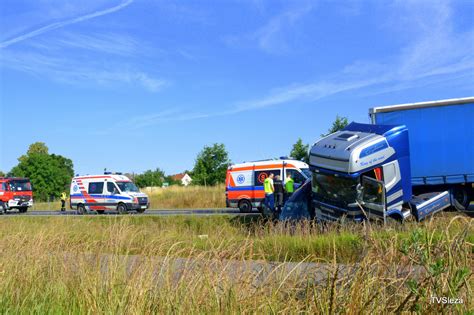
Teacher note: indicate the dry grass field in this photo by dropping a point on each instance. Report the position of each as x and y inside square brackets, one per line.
[173, 197]
[140, 264]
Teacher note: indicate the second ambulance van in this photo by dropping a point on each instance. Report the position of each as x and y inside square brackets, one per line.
[244, 181]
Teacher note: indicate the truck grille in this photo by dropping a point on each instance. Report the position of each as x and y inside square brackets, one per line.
[22, 198]
[142, 201]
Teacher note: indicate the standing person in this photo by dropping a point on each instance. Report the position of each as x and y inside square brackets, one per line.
[63, 201]
[289, 187]
[269, 189]
[278, 184]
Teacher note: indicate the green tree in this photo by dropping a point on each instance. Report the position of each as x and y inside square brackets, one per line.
[2, 174]
[50, 174]
[300, 151]
[338, 124]
[211, 165]
[150, 178]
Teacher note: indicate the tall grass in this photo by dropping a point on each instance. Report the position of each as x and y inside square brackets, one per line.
[173, 197]
[132, 265]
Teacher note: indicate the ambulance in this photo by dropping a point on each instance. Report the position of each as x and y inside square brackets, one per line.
[99, 193]
[244, 181]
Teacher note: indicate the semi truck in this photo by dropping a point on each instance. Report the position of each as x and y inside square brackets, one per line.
[412, 160]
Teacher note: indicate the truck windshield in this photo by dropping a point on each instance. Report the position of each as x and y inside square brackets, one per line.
[338, 190]
[20, 185]
[127, 187]
[306, 172]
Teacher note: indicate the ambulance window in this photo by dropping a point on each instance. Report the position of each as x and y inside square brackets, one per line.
[111, 188]
[261, 175]
[296, 175]
[96, 188]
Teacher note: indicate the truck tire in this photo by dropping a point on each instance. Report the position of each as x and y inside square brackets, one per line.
[461, 198]
[81, 209]
[122, 208]
[23, 209]
[100, 211]
[245, 206]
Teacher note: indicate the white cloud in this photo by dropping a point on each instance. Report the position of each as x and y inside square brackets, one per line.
[61, 24]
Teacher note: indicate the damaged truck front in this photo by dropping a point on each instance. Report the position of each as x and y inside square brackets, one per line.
[413, 160]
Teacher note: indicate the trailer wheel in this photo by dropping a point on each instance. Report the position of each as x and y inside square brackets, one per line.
[461, 198]
[81, 209]
[245, 206]
[122, 208]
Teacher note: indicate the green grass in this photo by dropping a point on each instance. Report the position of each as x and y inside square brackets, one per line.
[54, 265]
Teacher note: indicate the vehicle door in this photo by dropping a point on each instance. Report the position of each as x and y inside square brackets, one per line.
[96, 192]
[111, 196]
[297, 177]
[371, 196]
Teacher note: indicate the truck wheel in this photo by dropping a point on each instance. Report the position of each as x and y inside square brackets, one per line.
[2, 208]
[461, 198]
[122, 208]
[81, 209]
[23, 209]
[100, 211]
[245, 206]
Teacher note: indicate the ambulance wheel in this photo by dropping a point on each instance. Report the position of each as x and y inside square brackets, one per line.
[81, 209]
[245, 206]
[23, 209]
[122, 208]
[461, 198]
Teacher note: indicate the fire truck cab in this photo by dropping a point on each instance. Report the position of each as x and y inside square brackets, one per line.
[15, 193]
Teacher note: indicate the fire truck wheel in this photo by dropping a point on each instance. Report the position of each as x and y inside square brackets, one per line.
[122, 208]
[100, 211]
[245, 206]
[23, 209]
[81, 209]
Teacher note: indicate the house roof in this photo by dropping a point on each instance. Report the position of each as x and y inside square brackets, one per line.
[179, 176]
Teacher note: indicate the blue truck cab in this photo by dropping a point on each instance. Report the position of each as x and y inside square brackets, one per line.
[412, 160]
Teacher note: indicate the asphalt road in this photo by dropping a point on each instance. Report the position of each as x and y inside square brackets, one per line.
[196, 212]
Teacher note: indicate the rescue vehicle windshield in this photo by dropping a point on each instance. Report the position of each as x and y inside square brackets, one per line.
[20, 185]
[127, 187]
[338, 190]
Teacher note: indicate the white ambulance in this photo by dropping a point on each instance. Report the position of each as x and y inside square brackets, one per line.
[106, 192]
[244, 181]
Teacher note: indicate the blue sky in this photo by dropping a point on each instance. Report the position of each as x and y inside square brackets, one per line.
[134, 85]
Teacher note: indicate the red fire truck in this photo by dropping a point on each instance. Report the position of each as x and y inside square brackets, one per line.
[15, 193]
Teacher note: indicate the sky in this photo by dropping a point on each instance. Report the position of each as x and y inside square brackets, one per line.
[138, 84]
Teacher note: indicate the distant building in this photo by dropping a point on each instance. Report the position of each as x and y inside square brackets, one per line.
[184, 178]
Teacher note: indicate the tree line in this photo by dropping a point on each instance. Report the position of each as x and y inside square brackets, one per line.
[51, 174]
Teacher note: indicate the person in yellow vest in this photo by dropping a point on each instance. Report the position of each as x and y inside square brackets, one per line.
[269, 189]
[289, 187]
[63, 201]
